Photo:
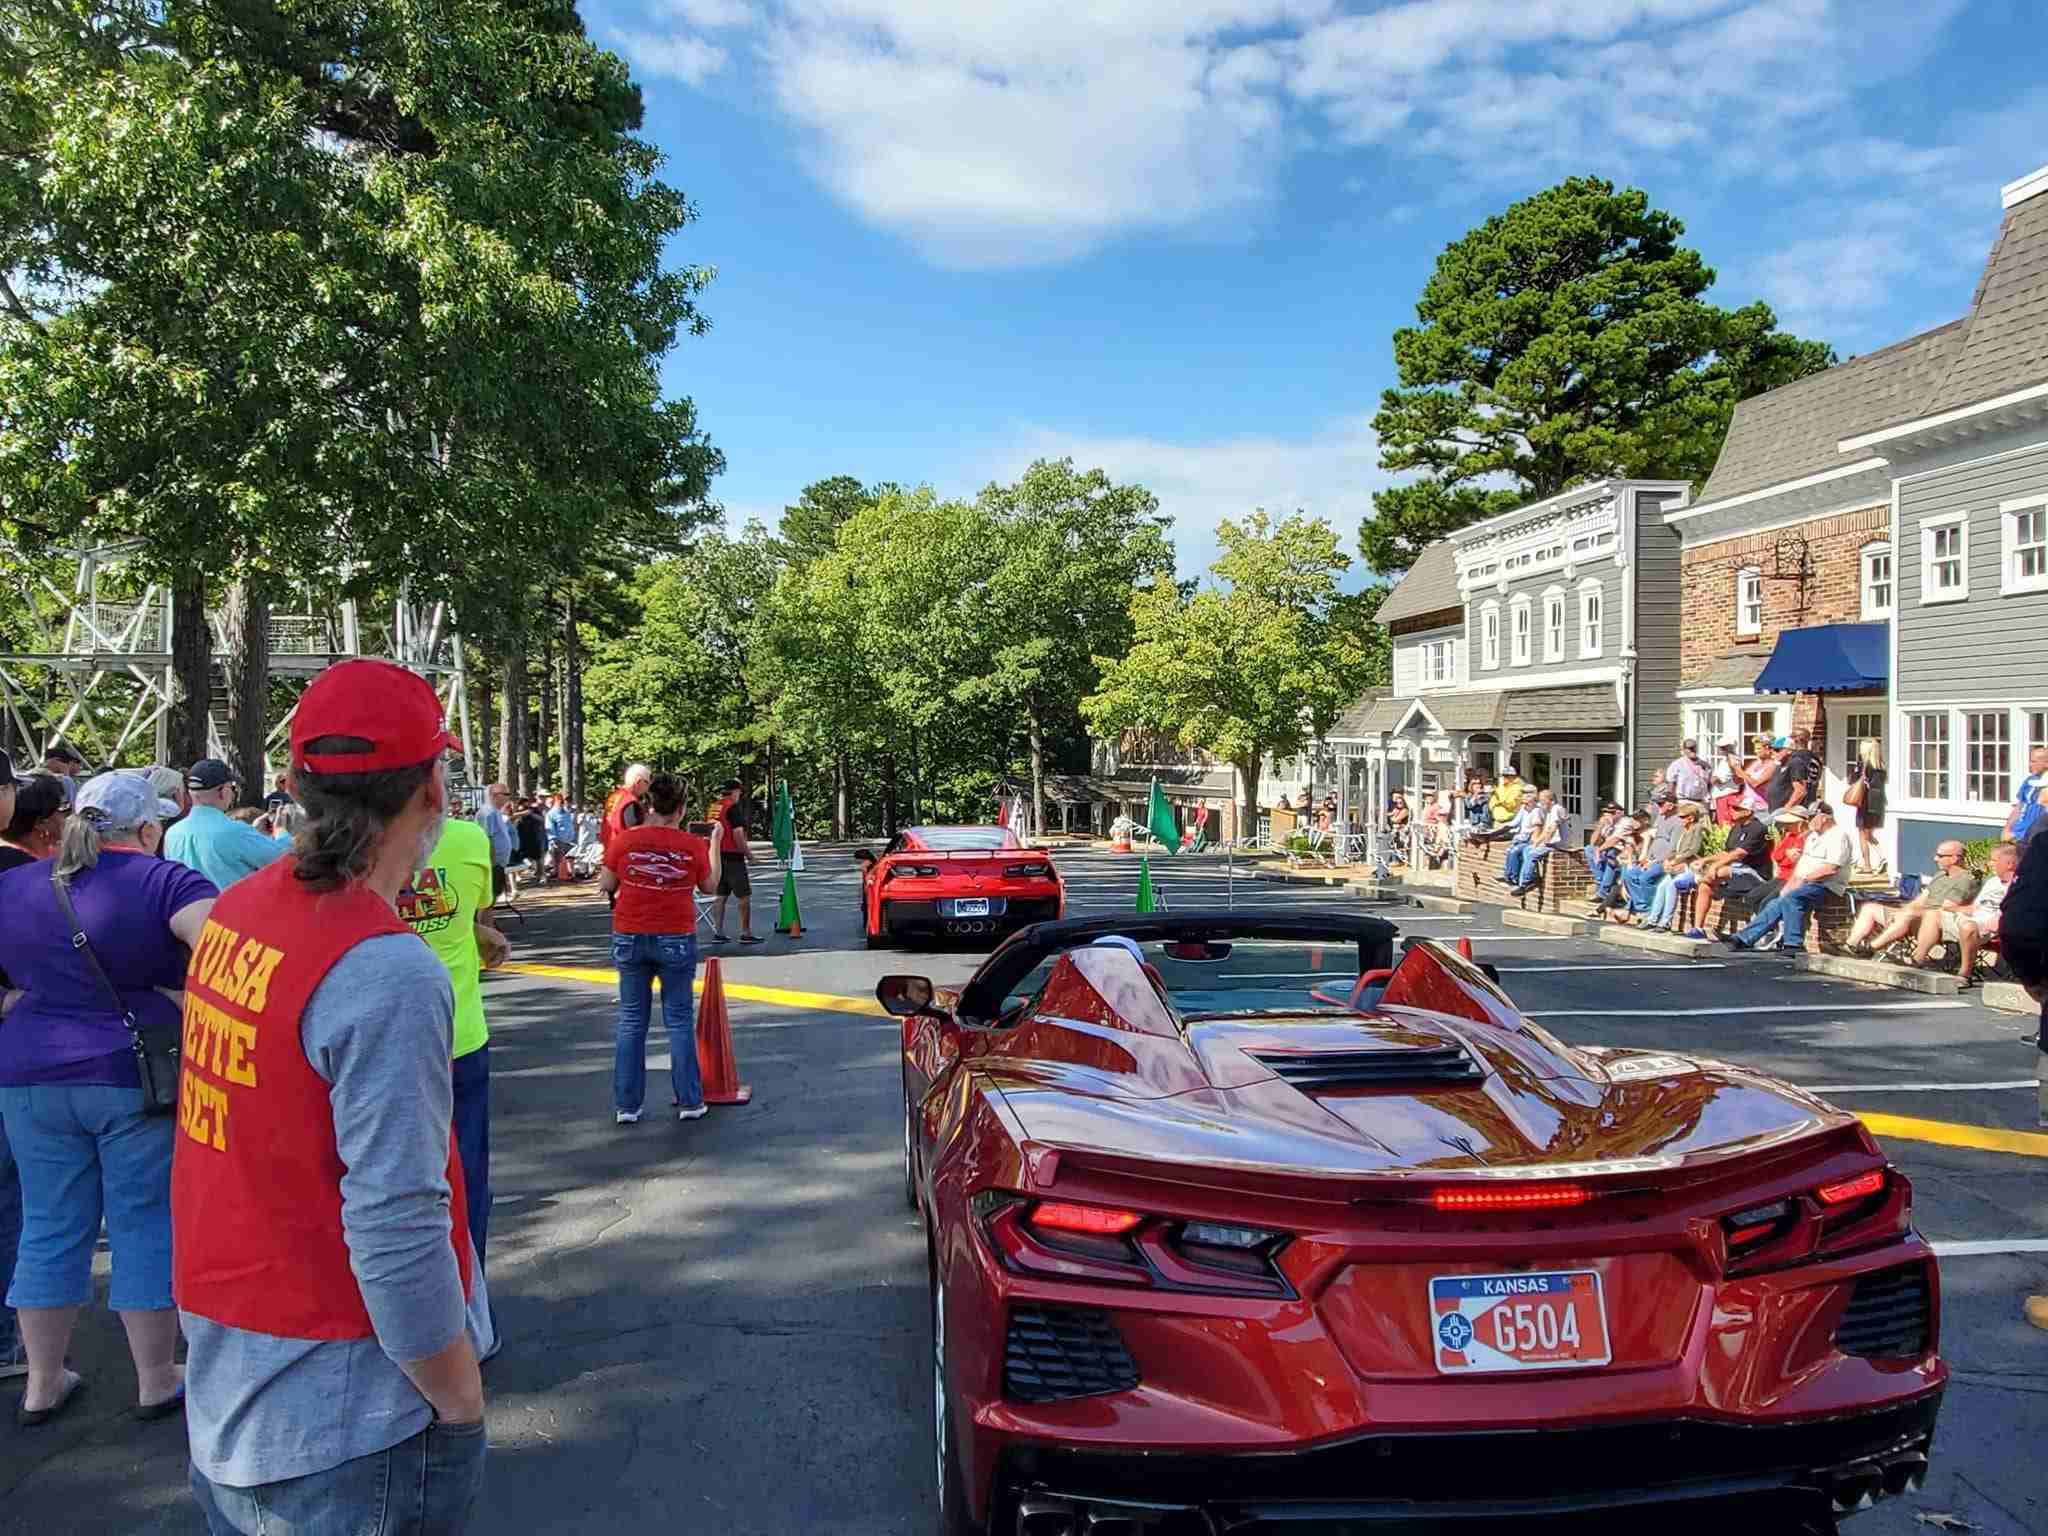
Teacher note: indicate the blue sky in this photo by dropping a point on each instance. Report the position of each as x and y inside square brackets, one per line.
[1174, 237]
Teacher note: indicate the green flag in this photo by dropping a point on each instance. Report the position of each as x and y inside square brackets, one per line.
[1159, 821]
[783, 833]
[789, 920]
[1146, 901]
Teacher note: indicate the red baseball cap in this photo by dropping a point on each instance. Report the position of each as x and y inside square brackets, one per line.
[380, 702]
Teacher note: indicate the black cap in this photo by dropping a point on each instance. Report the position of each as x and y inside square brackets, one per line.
[729, 787]
[209, 773]
[64, 753]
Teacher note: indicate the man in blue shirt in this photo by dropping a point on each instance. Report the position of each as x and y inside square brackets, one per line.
[561, 829]
[499, 830]
[208, 839]
[2028, 808]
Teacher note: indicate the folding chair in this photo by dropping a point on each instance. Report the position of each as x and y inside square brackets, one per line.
[704, 905]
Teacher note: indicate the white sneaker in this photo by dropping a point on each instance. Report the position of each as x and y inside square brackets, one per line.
[628, 1117]
[1768, 942]
[698, 1113]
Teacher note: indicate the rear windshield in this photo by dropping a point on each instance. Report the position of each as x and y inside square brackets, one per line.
[1256, 976]
[950, 839]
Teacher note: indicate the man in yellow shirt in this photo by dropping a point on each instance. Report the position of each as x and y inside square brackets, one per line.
[1507, 797]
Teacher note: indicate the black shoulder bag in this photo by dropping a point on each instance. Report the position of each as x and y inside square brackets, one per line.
[156, 1046]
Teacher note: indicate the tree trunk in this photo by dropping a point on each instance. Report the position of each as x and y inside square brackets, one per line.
[1037, 768]
[246, 665]
[481, 772]
[889, 795]
[191, 668]
[1247, 770]
[572, 690]
[839, 788]
[545, 687]
[564, 746]
[512, 728]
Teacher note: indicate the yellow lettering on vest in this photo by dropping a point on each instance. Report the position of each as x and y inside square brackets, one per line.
[194, 1027]
[216, 959]
[238, 978]
[256, 994]
[206, 1122]
[241, 1037]
[195, 969]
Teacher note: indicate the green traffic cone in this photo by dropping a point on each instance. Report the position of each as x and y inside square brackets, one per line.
[789, 920]
[1146, 902]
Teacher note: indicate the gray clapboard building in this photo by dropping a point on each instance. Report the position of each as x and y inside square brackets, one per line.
[1549, 635]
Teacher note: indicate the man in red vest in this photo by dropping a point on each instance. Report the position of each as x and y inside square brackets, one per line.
[626, 807]
[321, 1263]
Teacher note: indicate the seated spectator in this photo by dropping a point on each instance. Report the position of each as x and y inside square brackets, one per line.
[1954, 890]
[1616, 853]
[1791, 830]
[1980, 924]
[1478, 816]
[1680, 866]
[1397, 824]
[1739, 870]
[1506, 799]
[1436, 832]
[1642, 874]
[1611, 816]
[1544, 834]
[1823, 869]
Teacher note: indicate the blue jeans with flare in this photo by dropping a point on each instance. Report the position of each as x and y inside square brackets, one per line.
[640, 958]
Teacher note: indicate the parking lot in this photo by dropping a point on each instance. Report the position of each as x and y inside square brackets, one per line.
[722, 1325]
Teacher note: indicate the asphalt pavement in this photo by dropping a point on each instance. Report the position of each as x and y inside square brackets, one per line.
[722, 1325]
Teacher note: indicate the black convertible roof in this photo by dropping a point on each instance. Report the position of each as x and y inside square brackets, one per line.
[981, 998]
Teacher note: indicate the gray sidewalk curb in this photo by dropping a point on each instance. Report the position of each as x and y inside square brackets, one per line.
[1624, 937]
[1546, 922]
[1876, 973]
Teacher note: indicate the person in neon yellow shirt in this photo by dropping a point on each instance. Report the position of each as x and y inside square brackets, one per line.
[448, 904]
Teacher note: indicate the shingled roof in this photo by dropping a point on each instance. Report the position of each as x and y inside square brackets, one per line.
[2006, 347]
[1794, 430]
[1430, 586]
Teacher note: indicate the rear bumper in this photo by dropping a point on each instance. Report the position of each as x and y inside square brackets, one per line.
[1581, 1479]
[933, 919]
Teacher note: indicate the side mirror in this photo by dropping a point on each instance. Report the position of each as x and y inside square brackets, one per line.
[907, 997]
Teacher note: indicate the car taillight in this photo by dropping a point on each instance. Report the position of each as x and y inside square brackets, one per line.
[909, 871]
[1061, 1239]
[1530, 1198]
[1864, 1184]
[1027, 871]
[1835, 1218]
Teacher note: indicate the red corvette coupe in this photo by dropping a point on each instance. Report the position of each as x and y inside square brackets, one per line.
[1235, 1225]
[956, 882]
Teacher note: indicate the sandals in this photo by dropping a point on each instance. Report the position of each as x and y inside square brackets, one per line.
[29, 1418]
[170, 1407]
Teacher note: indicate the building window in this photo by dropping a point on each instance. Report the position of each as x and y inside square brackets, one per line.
[1749, 602]
[1436, 662]
[1987, 756]
[1927, 755]
[1857, 729]
[1755, 723]
[1945, 559]
[1521, 623]
[1489, 635]
[2025, 531]
[2037, 729]
[1571, 786]
[1553, 625]
[1877, 581]
[1706, 727]
[1591, 615]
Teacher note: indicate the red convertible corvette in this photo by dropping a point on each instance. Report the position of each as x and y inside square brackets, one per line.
[1235, 1225]
[956, 882]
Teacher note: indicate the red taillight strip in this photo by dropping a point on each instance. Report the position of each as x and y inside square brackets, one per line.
[1535, 1197]
[1858, 1188]
[1096, 1220]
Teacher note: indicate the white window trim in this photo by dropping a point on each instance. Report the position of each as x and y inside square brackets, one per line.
[1520, 608]
[1863, 557]
[1733, 704]
[1928, 525]
[1591, 591]
[1489, 639]
[1743, 629]
[1561, 633]
[2008, 523]
[1899, 794]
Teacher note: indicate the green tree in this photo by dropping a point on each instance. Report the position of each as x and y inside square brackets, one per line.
[1563, 340]
[1259, 665]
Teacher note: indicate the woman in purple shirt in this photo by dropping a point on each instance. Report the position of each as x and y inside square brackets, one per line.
[69, 1093]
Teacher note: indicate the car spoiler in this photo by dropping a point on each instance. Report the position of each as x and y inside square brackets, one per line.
[961, 853]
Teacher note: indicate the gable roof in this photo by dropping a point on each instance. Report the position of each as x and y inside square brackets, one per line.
[1354, 721]
[2006, 348]
[1430, 586]
[1796, 429]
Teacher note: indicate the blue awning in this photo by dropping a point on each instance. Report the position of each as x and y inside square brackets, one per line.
[1829, 658]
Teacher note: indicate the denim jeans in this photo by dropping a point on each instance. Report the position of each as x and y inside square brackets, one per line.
[425, 1486]
[473, 1139]
[1642, 884]
[1524, 863]
[640, 957]
[1790, 908]
[87, 1151]
[1664, 903]
[10, 1238]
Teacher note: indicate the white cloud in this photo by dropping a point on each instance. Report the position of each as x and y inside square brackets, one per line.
[1329, 473]
[710, 15]
[677, 56]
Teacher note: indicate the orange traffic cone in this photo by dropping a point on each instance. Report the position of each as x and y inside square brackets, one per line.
[715, 1061]
[1464, 949]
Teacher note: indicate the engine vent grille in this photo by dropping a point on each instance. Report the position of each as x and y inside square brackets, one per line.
[1889, 1315]
[1055, 1353]
[1441, 1066]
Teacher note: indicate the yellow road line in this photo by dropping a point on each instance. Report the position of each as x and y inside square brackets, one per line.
[1898, 1127]
[1982, 1138]
[741, 991]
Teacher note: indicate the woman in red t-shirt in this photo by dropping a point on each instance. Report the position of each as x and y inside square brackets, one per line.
[655, 869]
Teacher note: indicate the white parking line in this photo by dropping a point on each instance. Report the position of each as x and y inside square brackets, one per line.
[1647, 965]
[1967, 1249]
[2026, 1082]
[1713, 1013]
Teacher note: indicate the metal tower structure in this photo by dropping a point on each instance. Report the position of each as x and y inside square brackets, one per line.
[101, 652]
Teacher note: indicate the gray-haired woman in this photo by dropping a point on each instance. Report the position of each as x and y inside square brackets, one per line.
[75, 1111]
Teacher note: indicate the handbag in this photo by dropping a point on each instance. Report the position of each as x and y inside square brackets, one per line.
[156, 1046]
[1855, 793]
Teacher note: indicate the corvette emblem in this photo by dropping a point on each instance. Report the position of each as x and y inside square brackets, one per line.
[1455, 1331]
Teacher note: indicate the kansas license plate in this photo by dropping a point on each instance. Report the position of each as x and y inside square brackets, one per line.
[971, 906]
[1526, 1322]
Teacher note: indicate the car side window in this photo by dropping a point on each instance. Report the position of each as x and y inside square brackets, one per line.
[1023, 997]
